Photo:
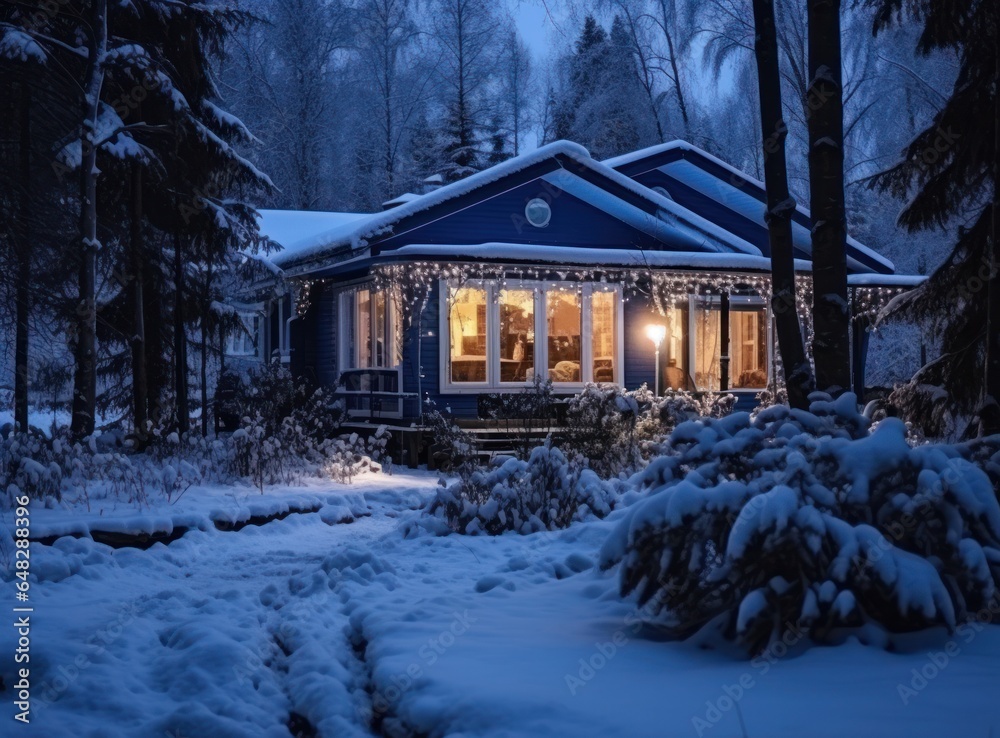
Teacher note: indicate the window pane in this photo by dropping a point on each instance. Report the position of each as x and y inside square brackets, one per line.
[675, 373]
[748, 328]
[517, 335]
[565, 322]
[396, 343]
[707, 344]
[467, 325]
[605, 325]
[348, 329]
[364, 331]
[381, 327]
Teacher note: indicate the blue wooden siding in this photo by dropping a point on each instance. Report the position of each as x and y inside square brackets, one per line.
[425, 377]
[501, 219]
[314, 338]
[640, 360]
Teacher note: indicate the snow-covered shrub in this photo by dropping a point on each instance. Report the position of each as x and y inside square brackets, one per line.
[614, 429]
[28, 462]
[677, 406]
[809, 520]
[545, 492]
[771, 396]
[522, 415]
[453, 449]
[601, 427]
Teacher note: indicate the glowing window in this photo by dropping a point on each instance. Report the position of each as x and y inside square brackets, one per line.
[565, 329]
[748, 346]
[604, 326]
[707, 343]
[468, 334]
[517, 335]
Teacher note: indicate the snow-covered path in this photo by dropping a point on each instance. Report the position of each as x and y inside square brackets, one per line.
[355, 630]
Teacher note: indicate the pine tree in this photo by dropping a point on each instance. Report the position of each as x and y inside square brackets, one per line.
[949, 174]
[466, 31]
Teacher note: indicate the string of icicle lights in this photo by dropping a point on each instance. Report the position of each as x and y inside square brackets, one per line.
[660, 288]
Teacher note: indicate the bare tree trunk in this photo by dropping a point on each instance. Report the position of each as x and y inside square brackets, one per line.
[780, 206]
[25, 247]
[85, 354]
[204, 381]
[140, 387]
[205, 329]
[673, 63]
[990, 413]
[831, 332]
[180, 339]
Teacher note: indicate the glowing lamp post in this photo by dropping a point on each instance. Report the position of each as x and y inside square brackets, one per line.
[656, 333]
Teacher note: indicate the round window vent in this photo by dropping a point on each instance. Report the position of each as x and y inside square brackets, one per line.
[537, 212]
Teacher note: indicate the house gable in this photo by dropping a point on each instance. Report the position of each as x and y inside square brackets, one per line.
[728, 198]
[579, 219]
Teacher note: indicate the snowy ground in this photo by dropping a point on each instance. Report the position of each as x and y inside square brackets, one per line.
[359, 631]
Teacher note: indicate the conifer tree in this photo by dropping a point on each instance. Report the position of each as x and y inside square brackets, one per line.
[949, 175]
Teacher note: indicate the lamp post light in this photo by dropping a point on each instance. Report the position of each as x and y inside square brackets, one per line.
[656, 332]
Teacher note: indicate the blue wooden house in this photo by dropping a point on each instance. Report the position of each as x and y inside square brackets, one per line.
[549, 265]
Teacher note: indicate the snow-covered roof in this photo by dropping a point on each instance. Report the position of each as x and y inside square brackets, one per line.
[400, 200]
[290, 228]
[728, 194]
[675, 221]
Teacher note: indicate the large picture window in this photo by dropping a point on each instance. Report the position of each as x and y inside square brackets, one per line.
[506, 335]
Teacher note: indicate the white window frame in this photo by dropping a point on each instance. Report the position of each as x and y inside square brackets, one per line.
[541, 358]
[252, 325]
[749, 300]
[348, 357]
[755, 302]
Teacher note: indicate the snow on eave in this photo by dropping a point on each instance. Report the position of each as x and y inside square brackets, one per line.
[885, 280]
[587, 256]
[619, 161]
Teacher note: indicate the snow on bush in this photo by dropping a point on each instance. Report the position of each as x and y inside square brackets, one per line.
[613, 429]
[265, 449]
[810, 520]
[545, 492]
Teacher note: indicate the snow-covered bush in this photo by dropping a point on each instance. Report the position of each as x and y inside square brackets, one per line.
[677, 406]
[601, 427]
[614, 429]
[27, 461]
[453, 449]
[263, 450]
[545, 492]
[524, 415]
[810, 520]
